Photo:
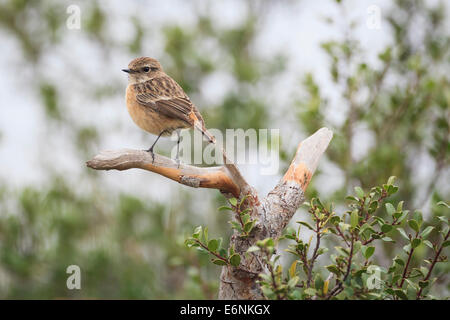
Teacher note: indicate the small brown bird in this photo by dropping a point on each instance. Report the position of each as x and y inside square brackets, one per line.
[157, 104]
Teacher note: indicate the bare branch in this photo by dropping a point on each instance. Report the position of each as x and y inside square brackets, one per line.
[283, 201]
[272, 214]
[196, 177]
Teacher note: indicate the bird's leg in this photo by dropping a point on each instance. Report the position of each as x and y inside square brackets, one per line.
[153, 145]
[177, 158]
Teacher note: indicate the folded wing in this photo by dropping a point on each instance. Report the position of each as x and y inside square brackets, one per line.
[166, 97]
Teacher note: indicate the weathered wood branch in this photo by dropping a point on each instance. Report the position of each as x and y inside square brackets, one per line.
[283, 201]
[273, 212]
[192, 176]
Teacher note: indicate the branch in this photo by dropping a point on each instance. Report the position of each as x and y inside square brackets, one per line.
[283, 201]
[436, 257]
[273, 213]
[196, 177]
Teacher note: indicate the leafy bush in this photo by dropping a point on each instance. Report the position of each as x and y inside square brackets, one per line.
[352, 269]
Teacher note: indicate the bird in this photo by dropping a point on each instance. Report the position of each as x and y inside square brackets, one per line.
[158, 104]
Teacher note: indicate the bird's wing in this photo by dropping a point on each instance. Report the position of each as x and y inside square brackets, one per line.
[165, 96]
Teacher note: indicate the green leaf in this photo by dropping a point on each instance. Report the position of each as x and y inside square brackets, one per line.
[231, 250]
[446, 244]
[268, 242]
[418, 217]
[233, 201]
[403, 215]
[392, 189]
[416, 242]
[373, 206]
[318, 282]
[389, 291]
[223, 252]
[342, 251]
[386, 228]
[243, 199]
[366, 227]
[413, 225]
[310, 291]
[318, 203]
[236, 225]
[367, 251]
[235, 260]
[249, 226]
[219, 262]
[444, 204]
[428, 244]
[390, 208]
[293, 282]
[245, 218]
[400, 206]
[426, 232]
[190, 242]
[344, 226]
[412, 284]
[399, 261]
[359, 192]
[356, 246]
[222, 208]
[354, 218]
[401, 294]
[306, 225]
[268, 292]
[391, 180]
[332, 268]
[403, 233]
[213, 245]
[253, 249]
[396, 278]
[197, 232]
[423, 284]
[379, 220]
[335, 220]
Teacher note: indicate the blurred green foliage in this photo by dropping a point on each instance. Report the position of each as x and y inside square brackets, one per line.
[129, 247]
[403, 103]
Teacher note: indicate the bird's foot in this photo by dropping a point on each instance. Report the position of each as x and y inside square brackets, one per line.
[152, 154]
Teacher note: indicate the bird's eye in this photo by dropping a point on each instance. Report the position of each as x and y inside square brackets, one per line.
[146, 69]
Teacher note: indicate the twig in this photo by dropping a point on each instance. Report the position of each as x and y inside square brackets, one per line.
[436, 257]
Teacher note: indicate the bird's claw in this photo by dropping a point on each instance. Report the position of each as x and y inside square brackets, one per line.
[152, 154]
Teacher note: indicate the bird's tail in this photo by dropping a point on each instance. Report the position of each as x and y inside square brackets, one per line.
[201, 127]
[229, 164]
[211, 139]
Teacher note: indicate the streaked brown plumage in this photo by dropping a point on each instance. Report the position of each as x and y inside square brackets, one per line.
[157, 104]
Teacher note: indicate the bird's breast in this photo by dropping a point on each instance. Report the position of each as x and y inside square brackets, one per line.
[148, 119]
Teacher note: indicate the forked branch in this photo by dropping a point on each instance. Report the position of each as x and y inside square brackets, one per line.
[273, 213]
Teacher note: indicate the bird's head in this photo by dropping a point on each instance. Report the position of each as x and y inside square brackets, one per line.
[143, 69]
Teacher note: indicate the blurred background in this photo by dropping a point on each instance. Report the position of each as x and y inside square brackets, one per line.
[375, 72]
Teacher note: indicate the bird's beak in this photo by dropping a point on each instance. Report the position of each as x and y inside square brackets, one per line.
[127, 70]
